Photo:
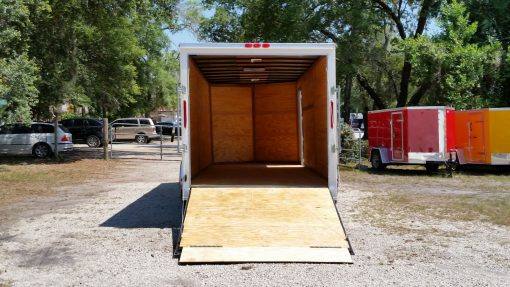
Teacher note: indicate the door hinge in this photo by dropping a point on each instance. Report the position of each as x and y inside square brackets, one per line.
[182, 89]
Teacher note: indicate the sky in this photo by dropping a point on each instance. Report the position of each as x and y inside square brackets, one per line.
[183, 36]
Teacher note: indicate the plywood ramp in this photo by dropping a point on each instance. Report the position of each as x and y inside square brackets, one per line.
[262, 224]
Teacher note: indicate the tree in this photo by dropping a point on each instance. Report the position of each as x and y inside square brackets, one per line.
[494, 25]
[348, 24]
[450, 61]
[93, 52]
[409, 20]
[18, 72]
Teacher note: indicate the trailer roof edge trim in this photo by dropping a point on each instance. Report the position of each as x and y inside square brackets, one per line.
[413, 108]
[311, 49]
[485, 109]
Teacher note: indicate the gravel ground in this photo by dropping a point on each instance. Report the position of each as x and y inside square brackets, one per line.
[121, 232]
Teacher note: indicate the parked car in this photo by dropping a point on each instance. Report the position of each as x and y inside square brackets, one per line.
[85, 130]
[36, 139]
[166, 128]
[142, 130]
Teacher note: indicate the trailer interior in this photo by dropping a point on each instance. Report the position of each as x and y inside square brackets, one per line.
[259, 162]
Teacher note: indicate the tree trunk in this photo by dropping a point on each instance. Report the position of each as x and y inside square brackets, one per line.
[363, 82]
[365, 122]
[347, 93]
[505, 75]
[404, 82]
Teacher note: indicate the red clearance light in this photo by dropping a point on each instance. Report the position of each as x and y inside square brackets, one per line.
[185, 114]
[332, 121]
[248, 45]
[266, 45]
[256, 45]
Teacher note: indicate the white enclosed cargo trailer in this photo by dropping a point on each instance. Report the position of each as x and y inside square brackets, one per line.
[259, 171]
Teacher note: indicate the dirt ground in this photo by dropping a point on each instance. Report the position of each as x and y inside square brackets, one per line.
[407, 228]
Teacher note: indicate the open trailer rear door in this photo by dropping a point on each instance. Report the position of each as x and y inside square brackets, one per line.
[262, 224]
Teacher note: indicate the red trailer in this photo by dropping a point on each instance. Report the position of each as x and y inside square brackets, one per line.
[411, 135]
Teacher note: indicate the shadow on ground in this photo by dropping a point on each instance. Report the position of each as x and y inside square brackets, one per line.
[159, 208]
[470, 170]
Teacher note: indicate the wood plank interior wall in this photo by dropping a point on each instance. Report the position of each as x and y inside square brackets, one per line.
[276, 127]
[313, 88]
[232, 123]
[200, 120]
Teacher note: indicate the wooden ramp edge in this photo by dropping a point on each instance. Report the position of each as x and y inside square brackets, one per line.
[194, 255]
[262, 224]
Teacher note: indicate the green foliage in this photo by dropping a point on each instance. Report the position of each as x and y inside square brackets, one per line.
[18, 78]
[91, 53]
[18, 72]
[452, 61]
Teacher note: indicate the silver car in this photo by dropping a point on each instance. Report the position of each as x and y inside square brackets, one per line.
[37, 139]
[142, 130]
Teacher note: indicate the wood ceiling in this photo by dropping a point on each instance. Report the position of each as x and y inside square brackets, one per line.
[253, 69]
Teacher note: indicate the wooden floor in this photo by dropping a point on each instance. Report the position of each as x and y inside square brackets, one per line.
[262, 223]
[257, 174]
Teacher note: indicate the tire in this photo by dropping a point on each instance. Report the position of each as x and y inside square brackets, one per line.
[93, 141]
[432, 167]
[141, 139]
[376, 161]
[42, 150]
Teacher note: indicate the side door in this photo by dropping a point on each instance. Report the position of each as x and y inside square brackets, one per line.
[5, 139]
[22, 139]
[118, 129]
[146, 127]
[88, 128]
[132, 128]
[476, 140]
[76, 129]
[397, 136]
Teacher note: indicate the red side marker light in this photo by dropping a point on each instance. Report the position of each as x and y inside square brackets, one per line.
[331, 115]
[184, 113]
[248, 45]
[266, 45]
[256, 45]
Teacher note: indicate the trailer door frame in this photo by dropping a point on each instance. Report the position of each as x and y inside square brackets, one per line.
[281, 49]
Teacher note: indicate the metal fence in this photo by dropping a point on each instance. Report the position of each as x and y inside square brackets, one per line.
[128, 140]
[351, 151]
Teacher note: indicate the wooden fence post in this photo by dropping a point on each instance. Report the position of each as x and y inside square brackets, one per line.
[106, 155]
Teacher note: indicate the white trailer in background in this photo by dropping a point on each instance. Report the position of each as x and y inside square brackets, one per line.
[259, 171]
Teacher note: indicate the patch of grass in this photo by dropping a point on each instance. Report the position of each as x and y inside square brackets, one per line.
[417, 179]
[396, 211]
[25, 180]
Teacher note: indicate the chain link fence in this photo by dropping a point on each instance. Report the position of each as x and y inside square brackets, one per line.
[354, 149]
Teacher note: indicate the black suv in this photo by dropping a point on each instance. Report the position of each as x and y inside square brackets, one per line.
[89, 131]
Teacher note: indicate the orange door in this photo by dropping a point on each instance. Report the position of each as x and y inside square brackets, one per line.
[476, 140]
